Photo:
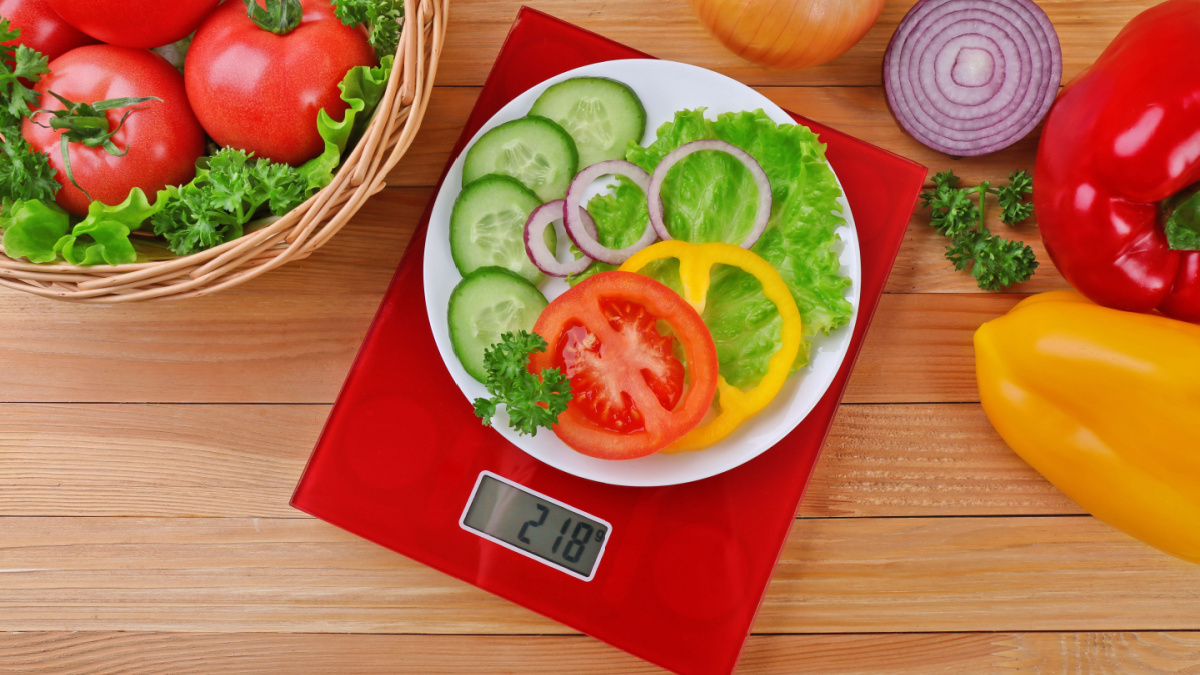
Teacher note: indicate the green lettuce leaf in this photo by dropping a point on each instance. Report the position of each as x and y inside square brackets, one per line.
[103, 237]
[709, 196]
[31, 228]
[362, 89]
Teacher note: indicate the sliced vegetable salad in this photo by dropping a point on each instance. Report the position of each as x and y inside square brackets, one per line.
[692, 336]
[112, 156]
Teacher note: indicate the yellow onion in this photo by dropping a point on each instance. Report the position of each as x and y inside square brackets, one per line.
[788, 33]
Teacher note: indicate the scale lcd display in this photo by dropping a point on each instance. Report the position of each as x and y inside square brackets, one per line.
[536, 525]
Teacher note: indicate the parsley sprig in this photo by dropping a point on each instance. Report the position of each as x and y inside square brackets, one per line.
[531, 401]
[227, 193]
[24, 174]
[382, 18]
[995, 262]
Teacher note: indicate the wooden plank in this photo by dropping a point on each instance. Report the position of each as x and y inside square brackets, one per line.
[669, 29]
[244, 461]
[836, 575]
[154, 460]
[870, 654]
[291, 336]
[924, 460]
[920, 348]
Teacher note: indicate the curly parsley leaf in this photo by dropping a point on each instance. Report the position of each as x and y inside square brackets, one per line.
[226, 194]
[531, 401]
[19, 62]
[994, 261]
[383, 19]
[1013, 198]
[24, 175]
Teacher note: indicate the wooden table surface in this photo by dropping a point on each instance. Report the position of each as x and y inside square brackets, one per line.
[148, 452]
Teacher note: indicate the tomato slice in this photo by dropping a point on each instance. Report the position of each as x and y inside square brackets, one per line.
[632, 394]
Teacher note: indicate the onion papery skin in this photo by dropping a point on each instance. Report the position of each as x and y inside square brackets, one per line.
[970, 77]
[573, 211]
[788, 34]
[535, 241]
[654, 201]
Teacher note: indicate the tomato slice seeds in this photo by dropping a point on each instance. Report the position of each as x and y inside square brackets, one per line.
[632, 395]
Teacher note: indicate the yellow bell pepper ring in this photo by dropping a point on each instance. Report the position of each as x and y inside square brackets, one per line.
[1106, 405]
[695, 273]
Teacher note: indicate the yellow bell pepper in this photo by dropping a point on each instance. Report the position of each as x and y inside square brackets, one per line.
[1106, 405]
[695, 273]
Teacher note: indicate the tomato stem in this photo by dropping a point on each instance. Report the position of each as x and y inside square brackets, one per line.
[88, 124]
[277, 16]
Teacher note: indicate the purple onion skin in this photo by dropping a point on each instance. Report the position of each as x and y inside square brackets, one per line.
[978, 132]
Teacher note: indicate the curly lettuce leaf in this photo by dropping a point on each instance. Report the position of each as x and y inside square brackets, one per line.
[362, 89]
[32, 228]
[707, 197]
[103, 236]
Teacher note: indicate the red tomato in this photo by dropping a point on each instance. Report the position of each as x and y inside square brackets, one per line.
[41, 28]
[257, 91]
[164, 139]
[136, 23]
[631, 395]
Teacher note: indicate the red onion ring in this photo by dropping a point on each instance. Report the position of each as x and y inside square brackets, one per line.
[535, 241]
[654, 196]
[573, 211]
[969, 77]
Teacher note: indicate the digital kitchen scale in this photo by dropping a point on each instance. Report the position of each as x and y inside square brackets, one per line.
[673, 574]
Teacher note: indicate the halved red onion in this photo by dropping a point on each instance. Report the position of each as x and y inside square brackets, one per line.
[969, 77]
[574, 215]
[535, 241]
[654, 194]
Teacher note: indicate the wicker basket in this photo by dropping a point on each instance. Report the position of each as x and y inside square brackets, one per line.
[292, 237]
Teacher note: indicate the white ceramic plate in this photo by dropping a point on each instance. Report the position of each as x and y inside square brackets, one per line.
[664, 87]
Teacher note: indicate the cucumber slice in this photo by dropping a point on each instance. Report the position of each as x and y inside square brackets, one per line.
[533, 150]
[488, 303]
[487, 227]
[602, 115]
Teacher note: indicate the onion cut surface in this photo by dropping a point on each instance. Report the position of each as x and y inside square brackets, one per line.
[654, 195]
[574, 213]
[970, 77]
[535, 241]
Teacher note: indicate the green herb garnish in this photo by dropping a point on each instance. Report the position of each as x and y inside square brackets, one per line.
[24, 174]
[383, 19]
[225, 195]
[531, 401]
[995, 262]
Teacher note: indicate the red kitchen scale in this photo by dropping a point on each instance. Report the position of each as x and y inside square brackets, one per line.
[673, 575]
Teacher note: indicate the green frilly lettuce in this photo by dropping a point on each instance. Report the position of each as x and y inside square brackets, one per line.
[710, 196]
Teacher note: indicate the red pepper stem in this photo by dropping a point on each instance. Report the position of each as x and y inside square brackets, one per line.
[277, 16]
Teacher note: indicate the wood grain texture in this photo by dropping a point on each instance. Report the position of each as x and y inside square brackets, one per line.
[868, 654]
[163, 532]
[669, 30]
[836, 575]
[244, 460]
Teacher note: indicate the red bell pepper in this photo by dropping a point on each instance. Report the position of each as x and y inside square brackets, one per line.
[1120, 152]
